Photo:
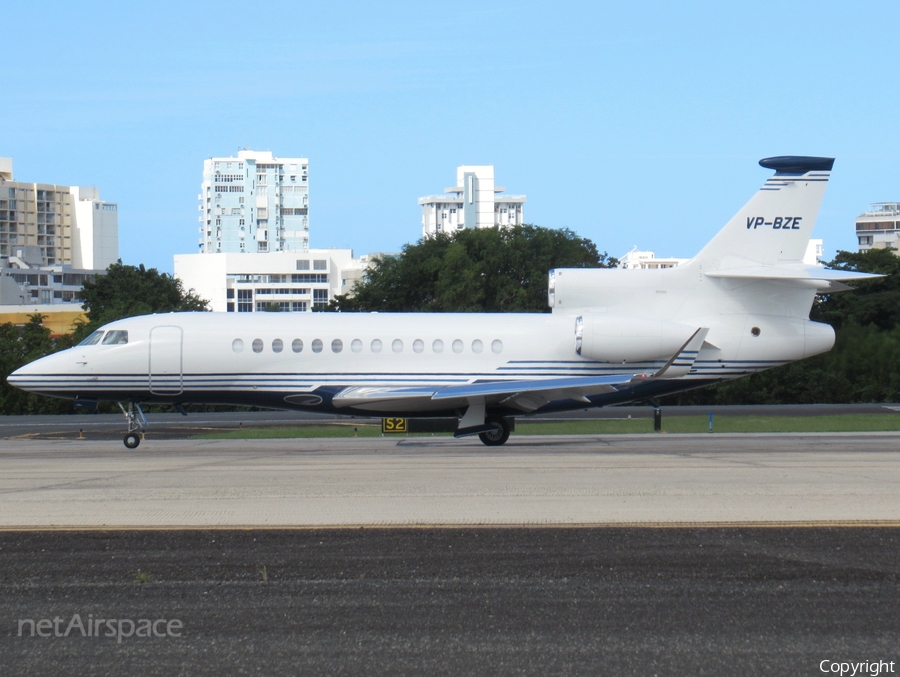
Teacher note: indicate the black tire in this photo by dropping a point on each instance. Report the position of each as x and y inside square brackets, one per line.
[498, 435]
[132, 440]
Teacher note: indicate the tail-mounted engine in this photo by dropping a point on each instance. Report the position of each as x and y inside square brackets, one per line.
[619, 338]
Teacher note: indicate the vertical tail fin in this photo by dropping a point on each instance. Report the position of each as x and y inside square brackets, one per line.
[776, 224]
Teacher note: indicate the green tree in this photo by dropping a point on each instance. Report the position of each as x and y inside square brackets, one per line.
[126, 291]
[486, 269]
[20, 345]
[872, 302]
[863, 366]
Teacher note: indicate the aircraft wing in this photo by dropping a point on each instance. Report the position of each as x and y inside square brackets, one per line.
[526, 395]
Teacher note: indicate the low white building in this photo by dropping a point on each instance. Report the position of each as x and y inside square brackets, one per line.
[879, 227]
[636, 259]
[474, 202]
[29, 287]
[291, 281]
[26, 280]
[815, 252]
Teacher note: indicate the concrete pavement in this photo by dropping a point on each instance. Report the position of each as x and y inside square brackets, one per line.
[548, 480]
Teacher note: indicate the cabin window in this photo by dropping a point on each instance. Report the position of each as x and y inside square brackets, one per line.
[437, 346]
[317, 345]
[257, 345]
[457, 346]
[277, 346]
[376, 345]
[337, 346]
[115, 338]
[497, 346]
[477, 346]
[93, 339]
[297, 346]
[356, 346]
[397, 346]
[237, 345]
[418, 345]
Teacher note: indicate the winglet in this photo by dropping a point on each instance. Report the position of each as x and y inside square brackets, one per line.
[681, 362]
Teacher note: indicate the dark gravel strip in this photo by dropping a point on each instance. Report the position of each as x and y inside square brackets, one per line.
[686, 601]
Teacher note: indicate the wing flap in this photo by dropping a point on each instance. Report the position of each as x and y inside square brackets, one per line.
[589, 384]
[369, 395]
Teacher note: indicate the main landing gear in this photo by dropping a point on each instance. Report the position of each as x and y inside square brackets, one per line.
[136, 421]
[498, 435]
[491, 430]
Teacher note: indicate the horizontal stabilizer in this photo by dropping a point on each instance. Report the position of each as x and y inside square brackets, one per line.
[792, 273]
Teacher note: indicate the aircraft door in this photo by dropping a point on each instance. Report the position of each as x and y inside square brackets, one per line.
[165, 361]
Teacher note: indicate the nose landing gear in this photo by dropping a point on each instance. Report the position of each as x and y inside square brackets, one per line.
[136, 421]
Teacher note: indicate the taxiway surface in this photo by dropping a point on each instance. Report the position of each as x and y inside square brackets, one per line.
[547, 480]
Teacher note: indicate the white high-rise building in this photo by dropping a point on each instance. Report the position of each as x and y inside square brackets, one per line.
[95, 236]
[69, 225]
[254, 203]
[474, 202]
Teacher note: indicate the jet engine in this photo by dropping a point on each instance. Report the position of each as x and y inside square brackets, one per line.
[620, 338]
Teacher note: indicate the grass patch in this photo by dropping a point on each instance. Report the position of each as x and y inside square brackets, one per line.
[721, 424]
[671, 424]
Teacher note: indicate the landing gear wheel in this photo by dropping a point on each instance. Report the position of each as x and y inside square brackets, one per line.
[497, 436]
[136, 420]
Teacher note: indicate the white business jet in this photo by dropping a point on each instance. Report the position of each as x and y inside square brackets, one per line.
[740, 306]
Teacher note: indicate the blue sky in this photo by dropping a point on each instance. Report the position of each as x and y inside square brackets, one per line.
[633, 123]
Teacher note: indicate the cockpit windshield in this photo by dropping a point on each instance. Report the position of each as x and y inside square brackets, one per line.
[93, 339]
[115, 338]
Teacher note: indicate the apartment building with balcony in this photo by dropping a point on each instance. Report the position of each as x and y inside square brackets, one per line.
[474, 202]
[70, 225]
[879, 227]
[254, 203]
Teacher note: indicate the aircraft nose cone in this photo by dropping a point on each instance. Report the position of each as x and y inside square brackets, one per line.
[22, 376]
[17, 377]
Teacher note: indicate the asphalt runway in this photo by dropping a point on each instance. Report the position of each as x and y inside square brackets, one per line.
[576, 555]
[550, 480]
[686, 601]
